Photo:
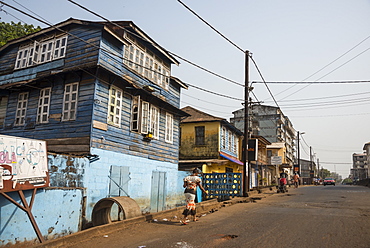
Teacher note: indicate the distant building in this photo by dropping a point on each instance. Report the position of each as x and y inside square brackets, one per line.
[210, 143]
[360, 169]
[272, 124]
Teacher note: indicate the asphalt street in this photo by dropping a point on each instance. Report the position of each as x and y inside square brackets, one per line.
[314, 216]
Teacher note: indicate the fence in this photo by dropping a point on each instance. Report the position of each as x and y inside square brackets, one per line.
[222, 185]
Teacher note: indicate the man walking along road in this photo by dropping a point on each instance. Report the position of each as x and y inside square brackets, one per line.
[296, 180]
[190, 184]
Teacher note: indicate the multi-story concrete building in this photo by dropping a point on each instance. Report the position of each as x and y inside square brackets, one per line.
[271, 123]
[360, 168]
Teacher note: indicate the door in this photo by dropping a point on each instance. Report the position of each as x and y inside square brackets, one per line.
[158, 191]
[119, 178]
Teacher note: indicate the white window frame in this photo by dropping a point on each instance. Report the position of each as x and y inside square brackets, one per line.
[70, 101]
[44, 105]
[115, 106]
[229, 140]
[145, 117]
[236, 145]
[168, 136]
[154, 121]
[223, 138]
[166, 79]
[20, 114]
[135, 114]
[60, 46]
[46, 51]
[41, 52]
[23, 57]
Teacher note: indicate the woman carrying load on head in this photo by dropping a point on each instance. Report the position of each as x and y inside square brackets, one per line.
[190, 184]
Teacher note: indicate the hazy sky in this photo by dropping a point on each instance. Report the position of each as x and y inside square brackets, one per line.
[291, 41]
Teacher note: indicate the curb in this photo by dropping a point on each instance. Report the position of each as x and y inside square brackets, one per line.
[206, 207]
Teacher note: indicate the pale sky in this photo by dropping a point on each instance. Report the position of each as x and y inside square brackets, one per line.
[291, 41]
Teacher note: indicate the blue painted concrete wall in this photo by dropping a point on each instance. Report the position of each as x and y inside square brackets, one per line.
[56, 211]
[139, 187]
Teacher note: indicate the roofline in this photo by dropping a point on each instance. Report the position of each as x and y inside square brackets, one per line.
[42, 31]
[155, 44]
[178, 81]
[78, 21]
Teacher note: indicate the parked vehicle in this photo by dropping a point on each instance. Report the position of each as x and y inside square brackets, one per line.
[329, 181]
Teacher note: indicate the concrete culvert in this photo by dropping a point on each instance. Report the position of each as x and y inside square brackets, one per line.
[127, 207]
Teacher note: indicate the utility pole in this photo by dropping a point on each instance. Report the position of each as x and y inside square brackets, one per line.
[299, 156]
[246, 167]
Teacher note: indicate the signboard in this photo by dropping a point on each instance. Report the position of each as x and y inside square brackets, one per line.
[23, 164]
[252, 149]
[276, 160]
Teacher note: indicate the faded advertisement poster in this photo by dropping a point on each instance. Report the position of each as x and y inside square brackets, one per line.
[23, 163]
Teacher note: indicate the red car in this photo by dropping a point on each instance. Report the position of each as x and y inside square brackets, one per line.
[328, 181]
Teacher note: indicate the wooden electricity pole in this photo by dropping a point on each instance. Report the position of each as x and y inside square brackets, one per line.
[246, 167]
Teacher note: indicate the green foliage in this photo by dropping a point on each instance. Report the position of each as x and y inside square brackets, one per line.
[324, 173]
[9, 31]
[347, 181]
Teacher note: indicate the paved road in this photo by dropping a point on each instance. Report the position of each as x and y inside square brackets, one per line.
[316, 216]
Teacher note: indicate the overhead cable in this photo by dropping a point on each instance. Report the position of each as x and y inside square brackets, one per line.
[209, 25]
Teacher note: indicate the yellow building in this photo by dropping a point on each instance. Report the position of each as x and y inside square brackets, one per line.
[210, 143]
[277, 156]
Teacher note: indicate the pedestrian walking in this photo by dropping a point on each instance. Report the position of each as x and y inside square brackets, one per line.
[296, 180]
[190, 184]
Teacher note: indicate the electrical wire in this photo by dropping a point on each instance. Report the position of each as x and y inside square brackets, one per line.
[328, 64]
[231, 42]
[115, 55]
[332, 82]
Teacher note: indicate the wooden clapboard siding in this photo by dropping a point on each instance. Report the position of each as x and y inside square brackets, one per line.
[7, 59]
[80, 145]
[96, 62]
[122, 139]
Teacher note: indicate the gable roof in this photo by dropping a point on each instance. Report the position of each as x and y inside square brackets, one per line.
[198, 116]
[118, 27]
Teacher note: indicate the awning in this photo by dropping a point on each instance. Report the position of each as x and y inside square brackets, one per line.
[231, 158]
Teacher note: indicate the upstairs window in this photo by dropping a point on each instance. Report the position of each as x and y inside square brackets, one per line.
[115, 106]
[70, 102]
[135, 113]
[44, 106]
[60, 47]
[154, 121]
[147, 64]
[20, 113]
[223, 138]
[200, 136]
[145, 117]
[169, 128]
[39, 52]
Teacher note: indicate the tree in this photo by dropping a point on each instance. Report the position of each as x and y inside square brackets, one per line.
[324, 173]
[9, 31]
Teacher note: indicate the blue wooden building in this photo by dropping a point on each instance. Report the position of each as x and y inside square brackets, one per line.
[101, 94]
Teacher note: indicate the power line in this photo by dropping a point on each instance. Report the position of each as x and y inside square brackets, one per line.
[213, 28]
[327, 97]
[45, 22]
[204, 69]
[255, 64]
[231, 42]
[318, 116]
[332, 82]
[331, 71]
[326, 66]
